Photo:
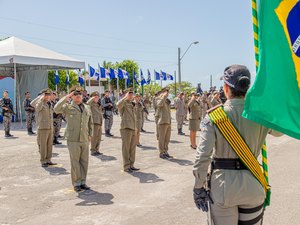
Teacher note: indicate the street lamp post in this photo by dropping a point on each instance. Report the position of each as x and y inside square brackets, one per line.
[179, 62]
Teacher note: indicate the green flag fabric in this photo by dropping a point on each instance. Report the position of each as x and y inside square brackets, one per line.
[274, 98]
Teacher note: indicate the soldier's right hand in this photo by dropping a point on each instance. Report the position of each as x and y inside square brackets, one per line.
[201, 199]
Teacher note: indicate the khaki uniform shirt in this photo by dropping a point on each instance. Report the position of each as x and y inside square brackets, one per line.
[96, 111]
[230, 187]
[79, 124]
[195, 110]
[179, 106]
[44, 113]
[164, 110]
[127, 112]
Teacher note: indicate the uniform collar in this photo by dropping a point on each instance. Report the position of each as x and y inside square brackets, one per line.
[235, 102]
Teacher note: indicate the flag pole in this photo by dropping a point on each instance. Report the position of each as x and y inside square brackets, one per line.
[89, 76]
[256, 50]
[175, 83]
[133, 80]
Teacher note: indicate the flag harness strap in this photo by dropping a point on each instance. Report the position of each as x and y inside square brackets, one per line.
[237, 143]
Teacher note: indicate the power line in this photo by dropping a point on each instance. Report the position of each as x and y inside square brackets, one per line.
[84, 33]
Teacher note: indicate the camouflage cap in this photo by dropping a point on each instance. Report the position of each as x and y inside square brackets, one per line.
[164, 89]
[129, 90]
[137, 95]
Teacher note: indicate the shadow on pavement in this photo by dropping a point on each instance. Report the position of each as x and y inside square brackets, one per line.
[106, 158]
[147, 147]
[175, 142]
[91, 198]
[60, 146]
[55, 171]
[182, 162]
[54, 154]
[147, 177]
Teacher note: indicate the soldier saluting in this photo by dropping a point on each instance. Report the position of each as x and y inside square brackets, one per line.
[78, 133]
[7, 112]
[128, 130]
[96, 110]
[108, 107]
[29, 110]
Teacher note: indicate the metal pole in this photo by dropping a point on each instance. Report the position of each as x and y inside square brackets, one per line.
[118, 88]
[175, 83]
[133, 80]
[210, 80]
[179, 70]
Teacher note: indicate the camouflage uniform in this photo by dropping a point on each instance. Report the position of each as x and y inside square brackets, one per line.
[108, 106]
[57, 121]
[30, 116]
[7, 114]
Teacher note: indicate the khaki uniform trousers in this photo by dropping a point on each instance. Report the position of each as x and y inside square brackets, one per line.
[164, 136]
[128, 147]
[179, 119]
[156, 123]
[79, 156]
[234, 215]
[96, 138]
[45, 143]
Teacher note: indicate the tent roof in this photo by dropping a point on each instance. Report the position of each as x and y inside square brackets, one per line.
[24, 54]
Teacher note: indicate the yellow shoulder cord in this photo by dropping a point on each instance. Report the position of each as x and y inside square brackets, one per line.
[220, 119]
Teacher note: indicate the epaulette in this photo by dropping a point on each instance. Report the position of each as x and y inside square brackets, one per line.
[214, 108]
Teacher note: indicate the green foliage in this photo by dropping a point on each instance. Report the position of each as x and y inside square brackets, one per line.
[62, 79]
[128, 65]
[149, 89]
[186, 87]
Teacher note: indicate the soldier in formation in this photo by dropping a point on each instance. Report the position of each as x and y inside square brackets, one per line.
[30, 113]
[7, 112]
[57, 120]
[195, 109]
[96, 110]
[179, 104]
[44, 116]
[79, 131]
[108, 107]
[128, 130]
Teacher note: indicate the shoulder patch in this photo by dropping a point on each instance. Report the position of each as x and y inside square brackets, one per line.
[214, 108]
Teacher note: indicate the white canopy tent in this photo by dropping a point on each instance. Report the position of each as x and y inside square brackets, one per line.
[29, 64]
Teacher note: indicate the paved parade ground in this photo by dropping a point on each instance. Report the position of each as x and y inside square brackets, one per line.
[160, 193]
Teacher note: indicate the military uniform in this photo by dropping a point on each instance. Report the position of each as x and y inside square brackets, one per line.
[155, 114]
[44, 117]
[180, 113]
[78, 130]
[164, 124]
[205, 106]
[128, 130]
[30, 116]
[195, 109]
[96, 110]
[139, 110]
[237, 195]
[57, 122]
[108, 107]
[7, 114]
[215, 101]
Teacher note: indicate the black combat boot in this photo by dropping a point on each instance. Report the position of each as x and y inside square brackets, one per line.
[6, 134]
[56, 142]
[9, 134]
[180, 132]
[107, 133]
[31, 131]
[110, 134]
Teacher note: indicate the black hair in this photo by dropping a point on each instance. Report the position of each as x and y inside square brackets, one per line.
[241, 87]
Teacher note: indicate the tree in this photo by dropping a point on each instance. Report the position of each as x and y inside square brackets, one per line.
[128, 65]
[186, 87]
[62, 79]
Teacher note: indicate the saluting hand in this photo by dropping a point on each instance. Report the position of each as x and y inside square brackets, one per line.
[69, 96]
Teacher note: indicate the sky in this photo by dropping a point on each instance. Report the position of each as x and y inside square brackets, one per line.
[147, 31]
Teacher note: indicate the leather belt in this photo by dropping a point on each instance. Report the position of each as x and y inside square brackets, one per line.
[228, 164]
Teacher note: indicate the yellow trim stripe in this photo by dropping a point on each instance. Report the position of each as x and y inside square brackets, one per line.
[220, 119]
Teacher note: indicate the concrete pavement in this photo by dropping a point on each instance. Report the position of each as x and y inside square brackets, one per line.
[161, 193]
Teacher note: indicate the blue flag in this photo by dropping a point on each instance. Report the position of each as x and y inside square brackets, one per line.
[97, 75]
[120, 74]
[67, 78]
[112, 73]
[80, 78]
[136, 79]
[163, 75]
[92, 71]
[170, 77]
[128, 81]
[157, 75]
[56, 78]
[149, 77]
[143, 81]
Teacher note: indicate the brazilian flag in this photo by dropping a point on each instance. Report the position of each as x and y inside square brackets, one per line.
[274, 98]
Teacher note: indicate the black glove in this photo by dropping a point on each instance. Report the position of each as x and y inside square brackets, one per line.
[201, 198]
